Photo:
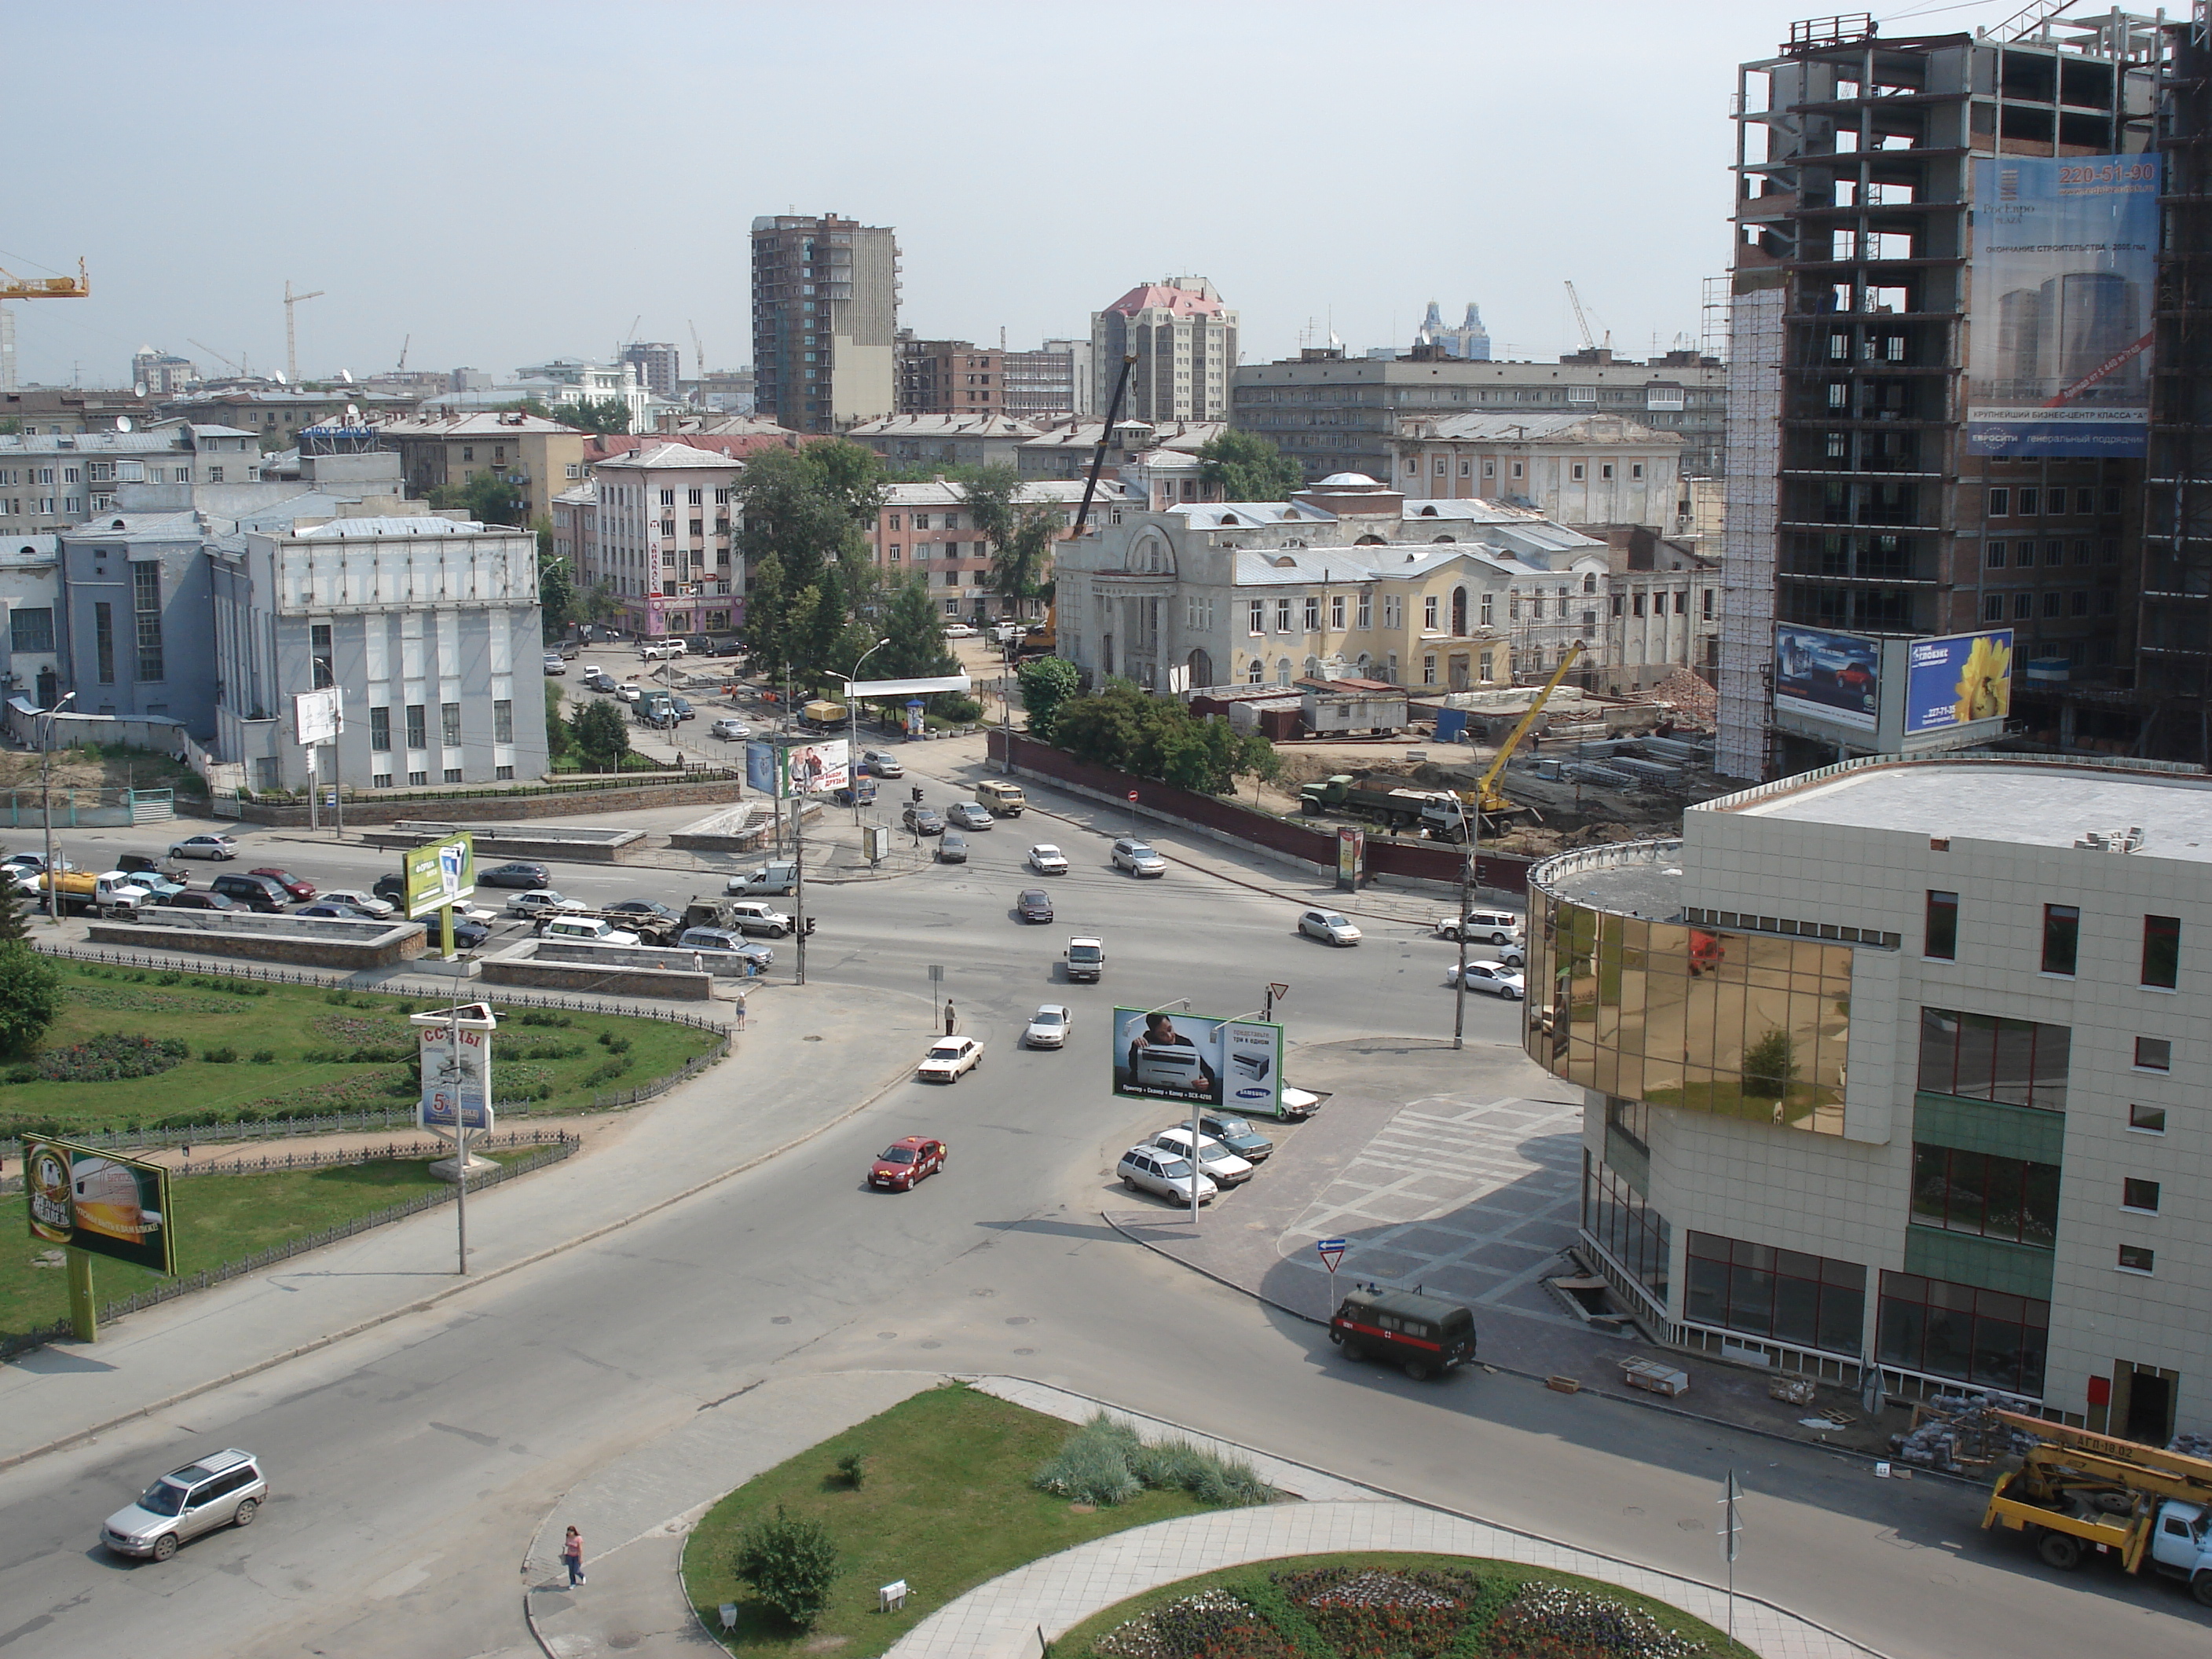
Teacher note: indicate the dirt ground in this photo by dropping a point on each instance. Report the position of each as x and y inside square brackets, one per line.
[100, 768]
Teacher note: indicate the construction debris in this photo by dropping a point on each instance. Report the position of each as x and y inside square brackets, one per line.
[1956, 1433]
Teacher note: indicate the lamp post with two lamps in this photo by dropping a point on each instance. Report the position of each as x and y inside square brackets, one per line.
[46, 804]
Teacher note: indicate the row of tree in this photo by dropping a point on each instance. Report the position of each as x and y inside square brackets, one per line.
[1132, 731]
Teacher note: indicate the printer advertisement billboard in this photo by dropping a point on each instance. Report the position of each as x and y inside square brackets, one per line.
[1237, 1064]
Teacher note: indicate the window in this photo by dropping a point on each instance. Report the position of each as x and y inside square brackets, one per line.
[1483, 608]
[1518, 467]
[503, 774]
[1336, 612]
[2161, 952]
[1706, 596]
[1366, 612]
[668, 498]
[1429, 613]
[146, 617]
[1808, 1300]
[379, 780]
[1942, 935]
[1638, 605]
[1440, 466]
[1993, 608]
[895, 552]
[502, 720]
[2136, 1194]
[319, 656]
[920, 521]
[380, 731]
[2061, 938]
[2135, 1259]
[2147, 1119]
[1945, 1329]
[415, 780]
[452, 774]
[418, 730]
[1980, 1192]
[1256, 617]
[214, 475]
[1576, 471]
[1313, 613]
[1282, 616]
[2023, 605]
[1994, 555]
[31, 629]
[1429, 669]
[103, 640]
[449, 723]
[2030, 501]
[1394, 610]
[2019, 1062]
[2000, 503]
[2153, 1054]
[2051, 604]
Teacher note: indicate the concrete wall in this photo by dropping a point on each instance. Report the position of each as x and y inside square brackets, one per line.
[465, 809]
[353, 945]
[523, 965]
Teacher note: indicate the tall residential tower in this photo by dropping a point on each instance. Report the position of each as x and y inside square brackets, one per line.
[825, 320]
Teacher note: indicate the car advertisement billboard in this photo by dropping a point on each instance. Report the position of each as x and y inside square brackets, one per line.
[1237, 1064]
[1835, 678]
[2058, 360]
[439, 873]
[98, 1202]
[1957, 681]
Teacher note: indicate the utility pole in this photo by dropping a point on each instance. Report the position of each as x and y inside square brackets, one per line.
[291, 337]
[798, 870]
[1471, 836]
[47, 810]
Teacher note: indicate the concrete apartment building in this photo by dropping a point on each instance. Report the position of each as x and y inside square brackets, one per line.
[658, 364]
[540, 458]
[1892, 1064]
[1052, 383]
[429, 627]
[51, 480]
[952, 439]
[1332, 413]
[1064, 452]
[1865, 493]
[277, 415]
[162, 373]
[825, 320]
[924, 530]
[664, 542]
[41, 410]
[949, 377]
[1184, 339]
[1577, 469]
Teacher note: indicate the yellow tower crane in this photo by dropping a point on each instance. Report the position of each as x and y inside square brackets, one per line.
[45, 288]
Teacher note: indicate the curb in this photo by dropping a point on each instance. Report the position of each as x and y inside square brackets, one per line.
[423, 1303]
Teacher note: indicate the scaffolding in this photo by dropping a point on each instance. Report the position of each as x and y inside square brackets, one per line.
[1747, 543]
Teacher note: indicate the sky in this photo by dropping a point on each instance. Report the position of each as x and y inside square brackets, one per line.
[493, 183]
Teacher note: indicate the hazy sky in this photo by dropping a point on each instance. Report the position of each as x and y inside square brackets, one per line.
[510, 180]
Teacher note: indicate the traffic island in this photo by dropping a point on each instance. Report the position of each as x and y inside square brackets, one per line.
[298, 941]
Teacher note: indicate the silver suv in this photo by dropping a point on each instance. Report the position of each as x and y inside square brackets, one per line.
[1138, 859]
[223, 1489]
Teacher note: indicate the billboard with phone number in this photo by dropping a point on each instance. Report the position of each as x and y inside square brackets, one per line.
[1958, 680]
[97, 1202]
[1235, 1064]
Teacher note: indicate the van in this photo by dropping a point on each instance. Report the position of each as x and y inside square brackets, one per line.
[1425, 1334]
[254, 893]
[777, 879]
[588, 930]
[1000, 798]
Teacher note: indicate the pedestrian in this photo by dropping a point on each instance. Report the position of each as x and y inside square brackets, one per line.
[949, 1021]
[571, 1557]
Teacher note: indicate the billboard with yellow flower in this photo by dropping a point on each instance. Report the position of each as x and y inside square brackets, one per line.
[1959, 680]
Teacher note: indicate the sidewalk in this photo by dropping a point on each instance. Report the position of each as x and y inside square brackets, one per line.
[822, 1051]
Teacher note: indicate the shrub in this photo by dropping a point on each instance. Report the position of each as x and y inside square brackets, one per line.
[265, 1056]
[604, 1073]
[1093, 1466]
[223, 1057]
[30, 997]
[1769, 1065]
[790, 1565]
[109, 1057]
[854, 1469]
[613, 1044]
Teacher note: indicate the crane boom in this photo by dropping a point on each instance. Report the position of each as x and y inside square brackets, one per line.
[78, 286]
[698, 347]
[1487, 800]
[217, 356]
[1582, 323]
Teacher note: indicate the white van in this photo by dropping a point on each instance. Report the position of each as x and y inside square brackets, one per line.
[588, 930]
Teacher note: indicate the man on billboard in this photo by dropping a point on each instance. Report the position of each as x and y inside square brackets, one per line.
[1162, 1059]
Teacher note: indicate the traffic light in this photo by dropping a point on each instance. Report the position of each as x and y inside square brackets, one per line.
[917, 794]
[807, 927]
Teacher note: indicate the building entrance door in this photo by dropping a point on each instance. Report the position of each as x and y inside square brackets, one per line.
[2142, 1402]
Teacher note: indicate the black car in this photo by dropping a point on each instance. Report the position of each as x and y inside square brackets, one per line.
[197, 899]
[334, 912]
[682, 707]
[641, 908]
[470, 935]
[922, 820]
[729, 648]
[392, 889]
[952, 849]
[131, 863]
[512, 875]
[1035, 904]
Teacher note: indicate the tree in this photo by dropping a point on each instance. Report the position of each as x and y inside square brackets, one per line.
[12, 926]
[1020, 533]
[1047, 685]
[598, 604]
[601, 733]
[558, 737]
[1131, 731]
[1769, 1065]
[766, 603]
[608, 416]
[916, 632]
[30, 997]
[791, 1565]
[1246, 467]
[556, 595]
[484, 496]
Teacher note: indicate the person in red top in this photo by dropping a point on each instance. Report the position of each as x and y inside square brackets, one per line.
[571, 1557]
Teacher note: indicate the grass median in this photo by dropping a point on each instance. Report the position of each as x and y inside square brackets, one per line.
[252, 1050]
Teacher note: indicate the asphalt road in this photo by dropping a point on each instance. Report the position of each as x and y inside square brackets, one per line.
[411, 1465]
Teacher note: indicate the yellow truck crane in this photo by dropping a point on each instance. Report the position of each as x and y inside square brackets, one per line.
[1445, 822]
[2076, 1493]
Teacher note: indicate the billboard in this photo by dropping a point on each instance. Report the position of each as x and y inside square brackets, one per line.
[813, 769]
[439, 873]
[97, 1202]
[1957, 681]
[318, 717]
[2058, 359]
[456, 1054]
[760, 768]
[1835, 678]
[1237, 1064]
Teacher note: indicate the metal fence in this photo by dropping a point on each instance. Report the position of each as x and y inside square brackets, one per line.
[275, 1163]
[25, 1340]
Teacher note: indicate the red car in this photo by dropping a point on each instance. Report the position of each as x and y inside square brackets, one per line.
[301, 891]
[905, 1162]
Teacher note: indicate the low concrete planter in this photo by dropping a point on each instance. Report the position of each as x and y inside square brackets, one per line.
[301, 941]
[619, 971]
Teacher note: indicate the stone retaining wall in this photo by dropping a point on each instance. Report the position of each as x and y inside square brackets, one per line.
[377, 945]
[601, 970]
[562, 803]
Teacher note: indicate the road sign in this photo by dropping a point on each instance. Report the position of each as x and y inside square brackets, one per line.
[1133, 795]
[1331, 1251]
[1278, 992]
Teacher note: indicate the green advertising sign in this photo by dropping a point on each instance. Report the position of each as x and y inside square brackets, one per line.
[439, 873]
[97, 1202]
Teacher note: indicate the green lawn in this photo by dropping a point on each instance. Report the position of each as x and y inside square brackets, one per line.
[1077, 1644]
[946, 1504]
[219, 1218]
[307, 1041]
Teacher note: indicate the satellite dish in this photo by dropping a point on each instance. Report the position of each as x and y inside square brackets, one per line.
[123, 423]
[278, 376]
[139, 389]
[353, 411]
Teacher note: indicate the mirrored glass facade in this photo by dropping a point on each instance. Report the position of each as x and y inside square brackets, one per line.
[1749, 1026]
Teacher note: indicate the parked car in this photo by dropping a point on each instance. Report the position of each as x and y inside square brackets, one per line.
[644, 909]
[542, 902]
[882, 764]
[1048, 1027]
[958, 631]
[329, 910]
[969, 815]
[1329, 927]
[661, 651]
[360, 901]
[923, 820]
[1491, 926]
[1497, 978]
[730, 648]
[728, 948]
[1138, 859]
[193, 898]
[1034, 905]
[298, 886]
[1149, 1170]
[554, 664]
[905, 1162]
[629, 691]
[224, 1490]
[205, 847]
[729, 728]
[1237, 1135]
[469, 934]
[953, 848]
[1226, 1169]
[948, 1058]
[1047, 859]
[158, 886]
[254, 893]
[516, 875]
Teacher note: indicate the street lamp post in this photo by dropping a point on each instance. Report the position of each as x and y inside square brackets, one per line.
[853, 730]
[46, 807]
[1471, 838]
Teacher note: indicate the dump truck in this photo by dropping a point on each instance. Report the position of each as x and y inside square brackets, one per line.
[1382, 796]
[822, 716]
[109, 893]
[2076, 1493]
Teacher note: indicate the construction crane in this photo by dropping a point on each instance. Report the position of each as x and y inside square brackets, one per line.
[291, 339]
[78, 286]
[1582, 323]
[1485, 797]
[403, 344]
[2077, 1491]
[237, 368]
[698, 347]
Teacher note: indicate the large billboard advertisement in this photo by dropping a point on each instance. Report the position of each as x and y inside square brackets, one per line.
[1957, 681]
[1835, 678]
[813, 769]
[456, 1078]
[439, 873]
[760, 768]
[1237, 1064]
[96, 1201]
[2059, 359]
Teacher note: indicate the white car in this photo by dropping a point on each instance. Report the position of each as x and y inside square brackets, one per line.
[662, 652]
[948, 1058]
[542, 902]
[629, 691]
[1328, 926]
[1491, 926]
[1151, 1169]
[1226, 1169]
[958, 631]
[1491, 976]
[1048, 1027]
[205, 847]
[554, 664]
[1047, 859]
[361, 901]
[1138, 858]
[591, 670]
[1299, 1104]
[727, 728]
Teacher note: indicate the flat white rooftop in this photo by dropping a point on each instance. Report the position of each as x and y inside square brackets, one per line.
[2050, 805]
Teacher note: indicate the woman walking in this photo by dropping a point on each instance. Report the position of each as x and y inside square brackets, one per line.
[571, 1557]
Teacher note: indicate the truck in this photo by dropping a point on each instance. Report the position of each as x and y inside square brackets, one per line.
[110, 893]
[1086, 960]
[772, 879]
[2076, 1492]
[1447, 817]
[822, 716]
[1382, 797]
